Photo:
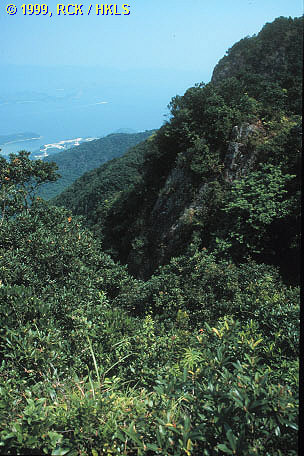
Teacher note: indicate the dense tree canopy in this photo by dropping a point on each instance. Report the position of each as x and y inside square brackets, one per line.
[19, 180]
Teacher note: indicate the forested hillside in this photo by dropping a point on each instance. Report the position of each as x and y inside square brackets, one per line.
[165, 320]
[245, 124]
[72, 163]
[93, 193]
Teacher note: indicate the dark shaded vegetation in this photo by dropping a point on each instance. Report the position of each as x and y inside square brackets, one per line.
[196, 351]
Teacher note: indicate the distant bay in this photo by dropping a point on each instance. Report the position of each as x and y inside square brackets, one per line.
[66, 102]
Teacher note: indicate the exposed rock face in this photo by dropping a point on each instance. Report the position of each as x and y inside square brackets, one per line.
[178, 205]
[240, 155]
[169, 210]
[228, 67]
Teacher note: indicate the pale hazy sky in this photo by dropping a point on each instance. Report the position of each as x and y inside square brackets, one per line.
[171, 34]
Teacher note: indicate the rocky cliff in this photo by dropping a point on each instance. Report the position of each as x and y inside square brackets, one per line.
[217, 174]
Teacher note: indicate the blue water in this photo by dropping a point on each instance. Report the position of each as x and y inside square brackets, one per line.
[61, 103]
[56, 120]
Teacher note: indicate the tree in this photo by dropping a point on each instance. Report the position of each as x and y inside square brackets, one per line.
[254, 204]
[20, 178]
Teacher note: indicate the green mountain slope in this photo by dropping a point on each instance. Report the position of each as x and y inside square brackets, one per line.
[93, 193]
[74, 162]
[218, 171]
[271, 59]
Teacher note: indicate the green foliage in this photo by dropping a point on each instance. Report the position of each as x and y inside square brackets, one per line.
[19, 181]
[80, 375]
[240, 411]
[253, 204]
[217, 396]
[207, 289]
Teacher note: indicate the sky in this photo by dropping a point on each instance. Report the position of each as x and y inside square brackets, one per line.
[171, 34]
[160, 49]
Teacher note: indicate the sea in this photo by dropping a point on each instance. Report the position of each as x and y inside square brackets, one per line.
[60, 121]
[63, 103]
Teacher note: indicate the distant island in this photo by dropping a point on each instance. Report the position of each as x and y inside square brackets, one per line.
[126, 130]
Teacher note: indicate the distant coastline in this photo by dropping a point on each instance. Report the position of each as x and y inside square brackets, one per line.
[59, 146]
[13, 143]
[64, 143]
